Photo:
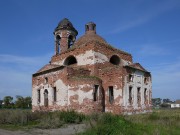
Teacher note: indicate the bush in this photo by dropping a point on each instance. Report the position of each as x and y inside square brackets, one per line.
[71, 117]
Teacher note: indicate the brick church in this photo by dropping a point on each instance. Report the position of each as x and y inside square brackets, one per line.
[89, 75]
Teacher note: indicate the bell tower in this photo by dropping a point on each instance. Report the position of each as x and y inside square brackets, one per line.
[65, 36]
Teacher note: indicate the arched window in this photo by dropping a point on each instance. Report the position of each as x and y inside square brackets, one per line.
[145, 94]
[45, 80]
[70, 60]
[94, 27]
[58, 39]
[70, 41]
[87, 28]
[115, 60]
[46, 98]
[39, 96]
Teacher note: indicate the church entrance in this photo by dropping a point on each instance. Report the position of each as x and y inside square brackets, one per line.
[46, 98]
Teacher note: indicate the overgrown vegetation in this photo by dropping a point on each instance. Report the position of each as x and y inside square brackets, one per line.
[43, 120]
[160, 122]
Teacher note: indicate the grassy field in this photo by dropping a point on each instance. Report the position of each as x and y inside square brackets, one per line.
[160, 122]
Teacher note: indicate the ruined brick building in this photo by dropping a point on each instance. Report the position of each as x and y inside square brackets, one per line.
[89, 75]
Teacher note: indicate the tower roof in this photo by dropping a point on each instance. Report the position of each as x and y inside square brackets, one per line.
[65, 24]
[88, 37]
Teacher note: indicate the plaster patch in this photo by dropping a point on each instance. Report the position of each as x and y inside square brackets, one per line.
[82, 94]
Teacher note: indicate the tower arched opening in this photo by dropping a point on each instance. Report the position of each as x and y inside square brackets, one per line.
[70, 41]
[58, 39]
[115, 60]
[70, 60]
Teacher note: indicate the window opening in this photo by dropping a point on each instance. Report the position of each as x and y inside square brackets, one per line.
[111, 94]
[94, 27]
[70, 60]
[145, 80]
[131, 78]
[87, 28]
[70, 41]
[46, 98]
[58, 39]
[39, 96]
[55, 94]
[130, 95]
[138, 95]
[46, 80]
[115, 60]
[145, 99]
[95, 94]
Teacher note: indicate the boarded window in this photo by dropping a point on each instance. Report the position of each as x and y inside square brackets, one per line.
[111, 94]
[55, 94]
[39, 96]
[95, 94]
[130, 95]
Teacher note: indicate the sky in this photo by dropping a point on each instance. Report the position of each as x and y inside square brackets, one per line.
[148, 29]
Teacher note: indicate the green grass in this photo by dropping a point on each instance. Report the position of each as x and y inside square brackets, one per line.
[160, 122]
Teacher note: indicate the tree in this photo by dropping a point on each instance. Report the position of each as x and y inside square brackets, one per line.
[22, 102]
[19, 103]
[7, 102]
[28, 102]
[1, 101]
[167, 100]
[156, 101]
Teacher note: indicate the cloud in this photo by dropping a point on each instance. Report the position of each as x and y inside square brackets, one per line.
[139, 16]
[16, 73]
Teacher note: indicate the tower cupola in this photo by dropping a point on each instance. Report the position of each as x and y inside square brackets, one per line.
[90, 27]
[65, 36]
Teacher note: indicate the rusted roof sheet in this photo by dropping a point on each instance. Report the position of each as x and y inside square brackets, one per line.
[137, 66]
[47, 67]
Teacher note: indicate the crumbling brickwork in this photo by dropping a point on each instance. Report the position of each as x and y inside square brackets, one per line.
[89, 75]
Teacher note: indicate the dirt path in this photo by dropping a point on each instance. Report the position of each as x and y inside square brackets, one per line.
[67, 130]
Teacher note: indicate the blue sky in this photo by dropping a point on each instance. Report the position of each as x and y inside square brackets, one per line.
[148, 29]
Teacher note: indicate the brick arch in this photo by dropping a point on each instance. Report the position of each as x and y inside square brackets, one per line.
[70, 60]
[114, 59]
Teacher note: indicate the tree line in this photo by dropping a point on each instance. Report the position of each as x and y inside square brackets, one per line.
[158, 102]
[19, 102]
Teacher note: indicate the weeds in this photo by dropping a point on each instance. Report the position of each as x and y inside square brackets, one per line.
[162, 122]
[43, 120]
[165, 122]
